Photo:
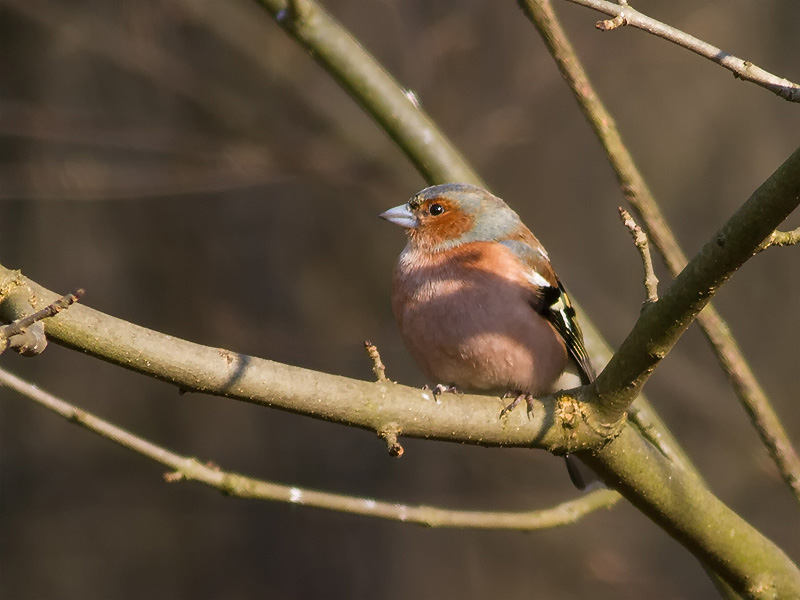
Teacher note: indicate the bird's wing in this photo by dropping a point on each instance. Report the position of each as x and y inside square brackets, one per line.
[550, 300]
[559, 311]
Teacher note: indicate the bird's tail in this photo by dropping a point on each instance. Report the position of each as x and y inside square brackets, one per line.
[581, 476]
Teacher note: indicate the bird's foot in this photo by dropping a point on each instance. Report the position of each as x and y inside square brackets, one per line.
[440, 389]
[518, 397]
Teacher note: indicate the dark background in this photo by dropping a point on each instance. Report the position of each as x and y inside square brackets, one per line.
[196, 172]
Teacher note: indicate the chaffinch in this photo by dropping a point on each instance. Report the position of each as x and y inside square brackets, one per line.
[477, 301]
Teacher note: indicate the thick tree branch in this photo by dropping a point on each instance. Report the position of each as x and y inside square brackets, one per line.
[191, 469]
[654, 334]
[686, 509]
[625, 15]
[374, 89]
[749, 390]
[378, 406]
[663, 322]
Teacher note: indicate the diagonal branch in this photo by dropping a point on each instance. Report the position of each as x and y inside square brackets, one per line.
[750, 565]
[395, 110]
[662, 323]
[232, 484]
[625, 15]
[752, 396]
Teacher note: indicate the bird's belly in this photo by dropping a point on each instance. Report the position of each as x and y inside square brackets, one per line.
[482, 340]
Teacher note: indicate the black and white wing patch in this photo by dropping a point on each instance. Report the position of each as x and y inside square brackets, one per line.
[557, 308]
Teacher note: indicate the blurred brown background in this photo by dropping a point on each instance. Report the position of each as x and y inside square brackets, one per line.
[196, 172]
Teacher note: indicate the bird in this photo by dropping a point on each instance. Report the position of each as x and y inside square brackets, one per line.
[477, 301]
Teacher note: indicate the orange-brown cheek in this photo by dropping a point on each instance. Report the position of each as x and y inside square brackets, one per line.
[449, 226]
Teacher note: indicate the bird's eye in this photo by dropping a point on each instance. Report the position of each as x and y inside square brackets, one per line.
[435, 209]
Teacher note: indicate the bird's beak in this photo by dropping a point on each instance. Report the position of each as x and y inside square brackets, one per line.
[401, 215]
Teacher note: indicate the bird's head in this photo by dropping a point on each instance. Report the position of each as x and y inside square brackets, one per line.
[444, 216]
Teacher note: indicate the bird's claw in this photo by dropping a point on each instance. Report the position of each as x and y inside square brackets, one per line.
[520, 396]
[440, 389]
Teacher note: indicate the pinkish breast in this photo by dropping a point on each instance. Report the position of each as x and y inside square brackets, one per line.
[466, 318]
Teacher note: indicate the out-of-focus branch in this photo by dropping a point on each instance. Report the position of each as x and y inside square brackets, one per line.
[104, 39]
[749, 390]
[232, 484]
[51, 126]
[743, 69]
[643, 246]
[130, 184]
[374, 89]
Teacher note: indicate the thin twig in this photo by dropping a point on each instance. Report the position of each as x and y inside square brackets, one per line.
[378, 367]
[740, 68]
[26, 335]
[747, 387]
[611, 24]
[390, 435]
[18, 326]
[187, 468]
[643, 246]
[781, 238]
